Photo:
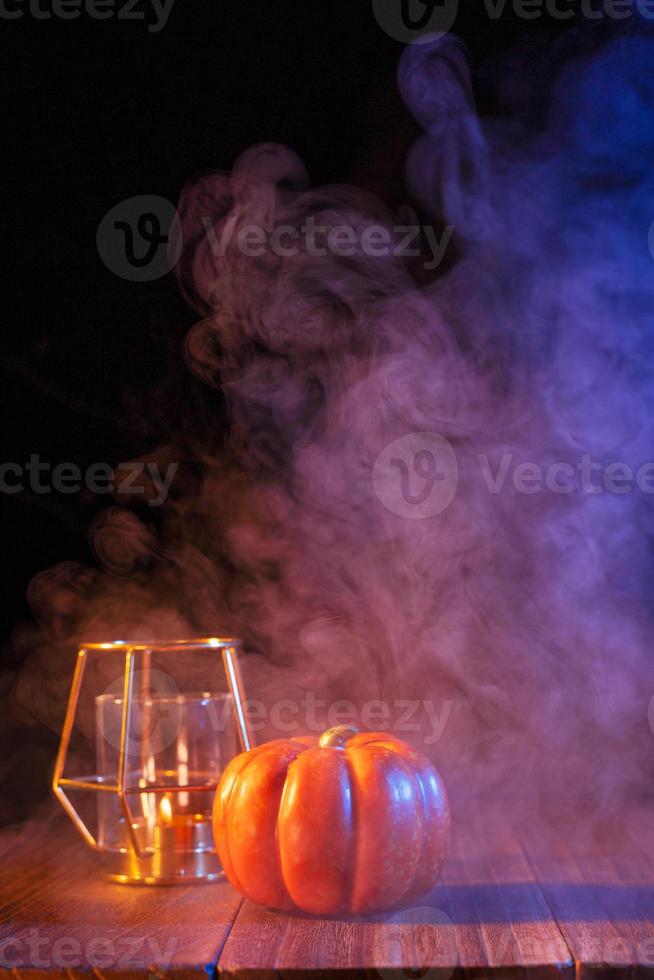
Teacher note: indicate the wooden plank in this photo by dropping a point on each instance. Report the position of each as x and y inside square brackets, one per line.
[495, 913]
[472, 924]
[601, 891]
[59, 918]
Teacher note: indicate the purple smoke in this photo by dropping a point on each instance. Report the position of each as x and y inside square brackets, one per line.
[527, 612]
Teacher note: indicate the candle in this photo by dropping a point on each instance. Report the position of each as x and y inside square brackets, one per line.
[180, 831]
[175, 846]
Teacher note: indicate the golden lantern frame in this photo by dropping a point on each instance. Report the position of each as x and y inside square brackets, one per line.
[229, 648]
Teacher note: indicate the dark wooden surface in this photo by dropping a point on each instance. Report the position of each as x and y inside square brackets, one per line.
[61, 918]
[528, 907]
[601, 894]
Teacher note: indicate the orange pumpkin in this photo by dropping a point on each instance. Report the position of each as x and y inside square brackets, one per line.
[348, 823]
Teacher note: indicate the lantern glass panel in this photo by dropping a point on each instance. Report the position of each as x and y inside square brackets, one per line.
[173, 741]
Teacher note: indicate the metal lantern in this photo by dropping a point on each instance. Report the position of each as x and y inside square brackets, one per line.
[162, 737]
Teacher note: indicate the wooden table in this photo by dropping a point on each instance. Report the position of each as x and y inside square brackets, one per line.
[509, 908]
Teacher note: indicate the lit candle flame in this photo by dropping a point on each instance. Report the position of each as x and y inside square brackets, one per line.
[182, 767]
[165, 812]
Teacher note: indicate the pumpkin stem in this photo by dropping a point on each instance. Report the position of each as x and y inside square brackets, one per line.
[335, 738]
